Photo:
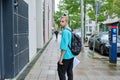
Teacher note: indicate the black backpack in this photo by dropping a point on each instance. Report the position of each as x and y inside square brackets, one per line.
[75, 44]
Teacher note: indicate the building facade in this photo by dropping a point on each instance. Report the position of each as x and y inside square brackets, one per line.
[40, 24]
[89, 25]
[25, 28]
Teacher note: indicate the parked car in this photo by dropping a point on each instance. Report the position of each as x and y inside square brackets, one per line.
[91, 41]
[78, 33]
[102, 43]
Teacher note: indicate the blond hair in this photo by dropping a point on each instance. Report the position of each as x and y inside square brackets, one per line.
[65, 17]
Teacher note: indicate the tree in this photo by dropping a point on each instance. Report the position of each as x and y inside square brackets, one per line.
[57, 16]
[116, 7]
[107, 8]
[103, 9]
[72, 9]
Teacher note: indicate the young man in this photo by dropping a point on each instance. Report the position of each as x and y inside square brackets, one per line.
[65, 63]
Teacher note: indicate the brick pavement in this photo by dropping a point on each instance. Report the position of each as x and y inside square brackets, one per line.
[97, 68]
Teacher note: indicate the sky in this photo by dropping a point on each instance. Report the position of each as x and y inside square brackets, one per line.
[56, 2]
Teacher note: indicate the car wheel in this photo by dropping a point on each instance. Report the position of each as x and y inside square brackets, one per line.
[102, 49]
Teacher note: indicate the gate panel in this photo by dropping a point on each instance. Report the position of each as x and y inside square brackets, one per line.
[21, 36]
[16, 46]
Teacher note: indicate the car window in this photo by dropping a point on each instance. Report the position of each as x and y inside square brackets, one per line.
[97, 36]
[88, 34]
[104, 37]
[92, 36]
[118, 39]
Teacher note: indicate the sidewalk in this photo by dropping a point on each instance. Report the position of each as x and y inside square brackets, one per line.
[88, 69]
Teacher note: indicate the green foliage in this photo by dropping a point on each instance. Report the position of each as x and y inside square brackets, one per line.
[116, 7]
[57, 16]
[91, 2]
[107, 8]
[91, 14]
[91, 10]
[101, 17]
[72, 9]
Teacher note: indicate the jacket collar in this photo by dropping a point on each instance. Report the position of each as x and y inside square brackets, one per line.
[67, 27]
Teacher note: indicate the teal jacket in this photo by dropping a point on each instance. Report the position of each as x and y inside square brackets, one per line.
[65, 41]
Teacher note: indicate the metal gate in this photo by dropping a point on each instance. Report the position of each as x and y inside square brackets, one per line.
[15, 36]
[21, 43]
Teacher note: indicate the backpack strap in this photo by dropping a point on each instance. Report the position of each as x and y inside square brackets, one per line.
[71, 32]
[68, 29]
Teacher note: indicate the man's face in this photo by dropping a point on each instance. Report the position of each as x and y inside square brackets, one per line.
[63, 22]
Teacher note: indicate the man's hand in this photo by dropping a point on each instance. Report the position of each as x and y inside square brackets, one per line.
[61, 57]
[60, 61]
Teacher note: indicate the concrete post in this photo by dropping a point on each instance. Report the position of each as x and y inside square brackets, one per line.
[82, 22]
